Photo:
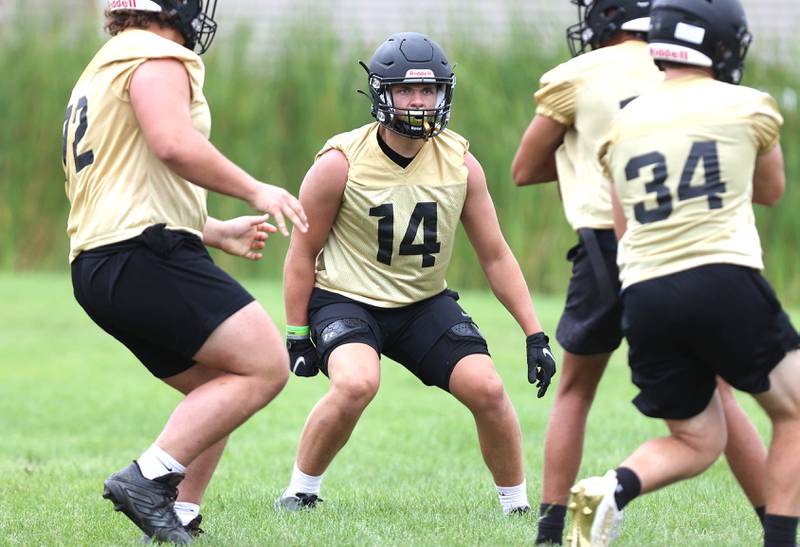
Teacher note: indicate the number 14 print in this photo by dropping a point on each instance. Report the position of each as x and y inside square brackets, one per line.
[424, 213]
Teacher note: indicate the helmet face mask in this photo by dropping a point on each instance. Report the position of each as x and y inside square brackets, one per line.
[600, 20]
[410, 58]
[710, 34]
[194, 19]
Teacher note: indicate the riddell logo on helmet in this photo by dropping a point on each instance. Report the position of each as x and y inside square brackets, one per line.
[665, 53]
[419, 73]
[121, 4]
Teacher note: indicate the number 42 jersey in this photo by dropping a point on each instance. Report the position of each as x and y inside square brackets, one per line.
[392, 239]
[682, 158]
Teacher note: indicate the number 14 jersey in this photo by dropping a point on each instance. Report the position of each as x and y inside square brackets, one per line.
[391, 242]
[682, 158]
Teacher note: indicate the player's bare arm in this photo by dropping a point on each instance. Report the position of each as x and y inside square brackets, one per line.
[769, 177]
[496, 259]
[535, 160]
[161, 98]
[320, 195]
[504, 274]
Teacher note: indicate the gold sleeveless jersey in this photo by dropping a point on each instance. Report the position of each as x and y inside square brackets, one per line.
[392, 240]
[115, 184]
[584, 94]
[682, 159]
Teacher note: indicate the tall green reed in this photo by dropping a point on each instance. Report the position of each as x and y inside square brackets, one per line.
[273, 108]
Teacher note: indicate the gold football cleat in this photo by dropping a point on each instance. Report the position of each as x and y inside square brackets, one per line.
[595, 517]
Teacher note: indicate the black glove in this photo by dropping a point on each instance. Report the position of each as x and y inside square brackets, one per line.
[303, 356]
[541, 363]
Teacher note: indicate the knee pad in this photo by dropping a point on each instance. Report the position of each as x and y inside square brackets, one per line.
[465, 331]
[338, 331]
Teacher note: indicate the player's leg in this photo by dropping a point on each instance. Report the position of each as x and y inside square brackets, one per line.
[782, 404]
[199, 472]
[440, 344]
[675, 384]
[745, 451]
[475, 383]
[249, 350]
[589, 331]
[692, 446]
[765, 363]
[354, 373]
[578, 379]
[346, 337]
[212, 320]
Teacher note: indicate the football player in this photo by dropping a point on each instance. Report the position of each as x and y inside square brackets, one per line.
[138, 165]
[687, 159]
[368, 278]
[576, 104]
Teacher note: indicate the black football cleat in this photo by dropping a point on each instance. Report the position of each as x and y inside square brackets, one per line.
[149, 504]
[193, 526]
[297, 502]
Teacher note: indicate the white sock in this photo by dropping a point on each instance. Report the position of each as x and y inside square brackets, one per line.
[302, 483]
[512, 497]
[155, 463]
[186, 511]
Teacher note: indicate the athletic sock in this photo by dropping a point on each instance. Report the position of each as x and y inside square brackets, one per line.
[513, 497]
[551, 523]
[628, 487]
[186, 511]
[761, 510]
[155, 463]
[302, 483]
[779, 531]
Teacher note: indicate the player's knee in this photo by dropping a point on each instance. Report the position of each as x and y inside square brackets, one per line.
[355, 392]
[707, 445]
[268, 372]
[487, 394]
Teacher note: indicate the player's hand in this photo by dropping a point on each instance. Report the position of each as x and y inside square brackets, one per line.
[244, 236]
[541, 363]
[303, 356]
[281, 205]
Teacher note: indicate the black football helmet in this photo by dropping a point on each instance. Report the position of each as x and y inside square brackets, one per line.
[711, 33]
[599, 20]
[193, 18]
[410, 58]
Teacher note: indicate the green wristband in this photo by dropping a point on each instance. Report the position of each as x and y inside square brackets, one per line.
[292, 330]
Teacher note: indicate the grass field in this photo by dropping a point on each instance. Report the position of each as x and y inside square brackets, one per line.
[75, 406]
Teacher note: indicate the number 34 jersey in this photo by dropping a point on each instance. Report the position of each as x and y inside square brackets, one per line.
[682, 159]
[392, 239]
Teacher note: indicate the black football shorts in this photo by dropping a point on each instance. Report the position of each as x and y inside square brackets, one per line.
[160, 294]
[592, 319]
[686, 328]
[428, 337]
